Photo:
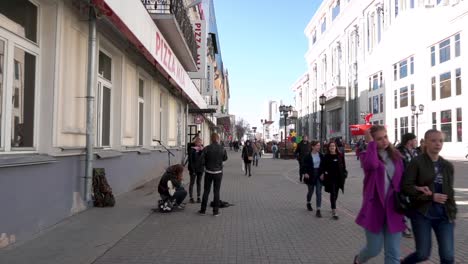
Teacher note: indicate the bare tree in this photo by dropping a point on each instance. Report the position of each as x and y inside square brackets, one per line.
[241, 127]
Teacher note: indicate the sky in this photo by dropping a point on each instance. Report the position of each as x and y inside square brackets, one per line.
[263, 47]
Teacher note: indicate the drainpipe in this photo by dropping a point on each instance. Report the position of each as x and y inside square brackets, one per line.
[92, 49]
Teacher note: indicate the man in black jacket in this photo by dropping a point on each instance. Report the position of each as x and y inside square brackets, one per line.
[302, 150]
[213, 156]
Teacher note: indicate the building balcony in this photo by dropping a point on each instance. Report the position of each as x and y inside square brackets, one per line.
[337, 92]
[172, 20]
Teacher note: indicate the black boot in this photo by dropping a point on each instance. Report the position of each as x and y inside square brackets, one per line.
[309, 207]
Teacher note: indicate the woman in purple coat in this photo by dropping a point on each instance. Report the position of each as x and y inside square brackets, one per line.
[383, 225]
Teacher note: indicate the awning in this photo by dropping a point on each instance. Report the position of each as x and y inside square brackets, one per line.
[359, 130]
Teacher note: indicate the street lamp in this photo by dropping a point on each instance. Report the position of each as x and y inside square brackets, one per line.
[264, 122]
[284, 110]
[322, 101]
[413, 110]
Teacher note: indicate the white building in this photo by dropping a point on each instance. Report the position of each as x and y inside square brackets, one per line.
[381, 57]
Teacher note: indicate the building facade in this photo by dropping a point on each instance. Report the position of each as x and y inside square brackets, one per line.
[365, 57]
[144, 101]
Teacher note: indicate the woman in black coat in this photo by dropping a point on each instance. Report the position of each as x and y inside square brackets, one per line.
[247, 156]
[196, 167]
[334, 174]
[313, 170]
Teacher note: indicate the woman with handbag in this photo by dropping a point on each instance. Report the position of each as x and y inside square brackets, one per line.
[312, 166]
[383, 224]
[334, 174]
[247, 156]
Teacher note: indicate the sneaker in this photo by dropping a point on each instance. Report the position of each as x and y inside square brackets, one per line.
[216, 213]
[198, 200]
[335, 217]
[309, 207]
[191, 200]
[318, 213]
[202, 212]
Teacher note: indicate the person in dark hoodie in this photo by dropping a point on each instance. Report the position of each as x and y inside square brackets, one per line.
[196, 168]
[247, 157]
[170, 185]
[214, 155]
[302, 150]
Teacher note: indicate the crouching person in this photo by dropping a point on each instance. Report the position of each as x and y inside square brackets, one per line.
[170, 188]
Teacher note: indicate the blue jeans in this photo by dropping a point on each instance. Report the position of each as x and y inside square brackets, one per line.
[317, 185]
[374, 243]
[443, 230]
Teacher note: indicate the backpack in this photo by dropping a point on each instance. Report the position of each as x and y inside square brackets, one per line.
[102, 192]
[166, 205]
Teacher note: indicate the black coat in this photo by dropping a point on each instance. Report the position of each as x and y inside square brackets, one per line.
[334, 169]
[303, 149]
[196, 161]
[308, 164]
[247, 151]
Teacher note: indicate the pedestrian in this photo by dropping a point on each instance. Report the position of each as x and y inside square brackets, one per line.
[334, 174]
[247, 157]
[429, 183]
[170, 185]
[408, 150]
[196, 168]
[313, 171]
[383, 225]
[302, 150]
[274, 149]
[256, 156]
[421, 148]
[213, 156]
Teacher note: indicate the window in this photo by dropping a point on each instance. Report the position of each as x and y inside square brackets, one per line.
[370, 105]
[457, 45]
[314, 37]
[458, 83]
[381, 104]
[370, 83]
[395, 72]
[459, 125]
[396, 99]
[141, 107]
[17, 70]
[403, 125]
[445, 85]
[22, 126]
[396, 7]
[412, 124]
[21, 18]
[324, 25]
[411, 3]
[336, 10]
[433, 85]
[396, 129]
[375, 82]
[434, 120]
[375, 108]
[444, 51]
[103, 100]
[335, 120]
[404, 96]
[412, 65]
[412, 94]
[446, 124]
[433, 60]
[403, 69]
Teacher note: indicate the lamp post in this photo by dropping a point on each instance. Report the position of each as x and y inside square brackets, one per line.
[263, 121]
[284, 110]
[415, 113]
[322, 101]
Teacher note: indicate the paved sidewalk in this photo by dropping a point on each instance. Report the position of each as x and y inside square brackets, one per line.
[267, 224]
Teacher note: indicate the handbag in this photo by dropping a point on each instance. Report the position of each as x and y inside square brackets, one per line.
[402, 202]
[250, 158]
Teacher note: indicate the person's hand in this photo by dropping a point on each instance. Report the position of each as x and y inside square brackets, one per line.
[439, 198]
[369, 137]
[322, 177]
[424, 189]
[306, 176]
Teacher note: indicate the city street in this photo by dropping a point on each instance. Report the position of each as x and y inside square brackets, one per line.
[268, 223]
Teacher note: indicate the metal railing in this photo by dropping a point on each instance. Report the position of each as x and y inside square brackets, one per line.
[176, 8]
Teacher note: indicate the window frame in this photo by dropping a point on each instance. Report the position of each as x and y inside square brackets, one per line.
[444, 50]
[12, 41]
[101, 83]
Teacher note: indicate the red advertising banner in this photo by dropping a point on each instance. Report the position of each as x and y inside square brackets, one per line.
[359, 130]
